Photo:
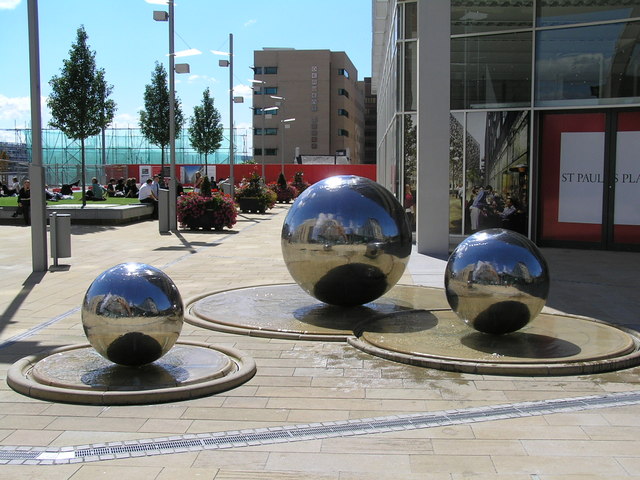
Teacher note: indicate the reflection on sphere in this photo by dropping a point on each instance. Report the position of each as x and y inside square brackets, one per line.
[346, 240]
[132, 314]
[497, 281]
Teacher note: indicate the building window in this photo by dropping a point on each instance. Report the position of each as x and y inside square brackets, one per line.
[265, 70]
[267, 131]
[466, 17]
[266, 91]
[588, 65]
[491, 71]
[260, 111]
[343, 133]
[269, 152]
[343, 92]
[342, 112]
[344, 72]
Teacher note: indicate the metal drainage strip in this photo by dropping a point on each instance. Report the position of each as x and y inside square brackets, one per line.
[265, 436]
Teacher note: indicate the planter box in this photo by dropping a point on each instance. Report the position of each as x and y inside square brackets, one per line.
[251, 204]
[204, 222]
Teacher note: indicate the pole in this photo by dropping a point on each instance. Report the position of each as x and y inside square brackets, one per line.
[173, 224]
[36, 170]
[282, 154]
[231, 139]
[263, 133]
[283, 125]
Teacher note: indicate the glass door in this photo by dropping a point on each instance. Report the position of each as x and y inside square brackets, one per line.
[626, 209]
[590, 180]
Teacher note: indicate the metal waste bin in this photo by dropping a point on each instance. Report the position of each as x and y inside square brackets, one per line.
[60, 224]
[163, 210]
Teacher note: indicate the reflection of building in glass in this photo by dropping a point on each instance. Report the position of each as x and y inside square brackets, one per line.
[372, 230]
[521, 273]
[505, 64]
[113, 306]
[485, 273]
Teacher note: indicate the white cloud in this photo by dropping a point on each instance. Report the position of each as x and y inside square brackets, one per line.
[251, 22]
[243, 90]
[201, 78]
[9, 4]
[14, 108]
[124, 120]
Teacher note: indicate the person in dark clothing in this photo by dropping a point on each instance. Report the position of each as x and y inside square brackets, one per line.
[24, 201]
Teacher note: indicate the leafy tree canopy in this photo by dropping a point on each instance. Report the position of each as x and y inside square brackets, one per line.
[205, 129]
[154, 119]
[79, 101]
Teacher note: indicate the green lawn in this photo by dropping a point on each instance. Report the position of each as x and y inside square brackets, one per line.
[13, 201]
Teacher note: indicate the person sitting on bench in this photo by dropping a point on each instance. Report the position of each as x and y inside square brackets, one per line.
[96, 192]
[146, 195]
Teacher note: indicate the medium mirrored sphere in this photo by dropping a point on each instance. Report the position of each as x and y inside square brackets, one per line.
[346, 240]
[132, 314]
[497, 281]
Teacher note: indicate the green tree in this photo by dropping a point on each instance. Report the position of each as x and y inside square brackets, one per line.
[205, 129]
[79, 102]
[154, 119]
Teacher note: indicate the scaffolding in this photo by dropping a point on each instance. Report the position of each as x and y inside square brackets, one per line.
[62, 157]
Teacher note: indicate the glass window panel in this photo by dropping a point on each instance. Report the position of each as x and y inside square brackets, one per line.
[554, 12]
[410, 76]
[456, 169]
[410, 167]
[411, 20]
[588, 65]
[490, 16]
[492, 71]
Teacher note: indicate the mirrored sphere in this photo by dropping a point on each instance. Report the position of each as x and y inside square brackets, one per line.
[346, 240]
[497, 281]
[132, 314]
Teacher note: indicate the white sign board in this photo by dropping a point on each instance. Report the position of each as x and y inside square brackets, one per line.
[581, 177]
[627, 211]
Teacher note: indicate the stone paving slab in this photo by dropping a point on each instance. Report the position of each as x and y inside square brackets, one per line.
[310, 382]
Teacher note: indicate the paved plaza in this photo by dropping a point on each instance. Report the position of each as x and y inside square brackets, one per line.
[314, 410]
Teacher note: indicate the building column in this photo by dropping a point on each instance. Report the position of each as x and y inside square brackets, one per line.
[434, 40]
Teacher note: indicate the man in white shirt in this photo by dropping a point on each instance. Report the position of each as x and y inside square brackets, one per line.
[146, 195]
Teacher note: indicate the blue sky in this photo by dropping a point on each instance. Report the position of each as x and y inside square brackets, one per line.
[127, 42]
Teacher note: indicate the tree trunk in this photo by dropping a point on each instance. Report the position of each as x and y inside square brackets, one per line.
[82, 172]
[162, 162]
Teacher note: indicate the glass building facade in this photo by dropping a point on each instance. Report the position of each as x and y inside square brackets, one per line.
[544, 117]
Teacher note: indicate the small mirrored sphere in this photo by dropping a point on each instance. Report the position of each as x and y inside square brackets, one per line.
[497, 281]
[346, 240]
[132, 314]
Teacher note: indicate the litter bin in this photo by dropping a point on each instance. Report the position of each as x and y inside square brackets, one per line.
[60, 224]
[163, 210]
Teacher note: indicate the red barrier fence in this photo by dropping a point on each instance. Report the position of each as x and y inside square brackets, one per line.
[185, 173]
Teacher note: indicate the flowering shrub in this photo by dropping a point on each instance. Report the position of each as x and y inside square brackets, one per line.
[190, 205]
[284, 192]
[253, 187]
[218, 211]
[298, 183]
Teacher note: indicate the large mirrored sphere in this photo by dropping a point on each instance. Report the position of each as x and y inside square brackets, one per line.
[132, 314]
[346, 240]
[497, 281]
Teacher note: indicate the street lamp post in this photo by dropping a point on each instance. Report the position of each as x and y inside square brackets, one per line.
[36, 170]
[163, 16]
[285, 124]
[232, 100]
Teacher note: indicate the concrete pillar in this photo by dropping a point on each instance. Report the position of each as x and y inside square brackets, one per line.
[432, 228]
